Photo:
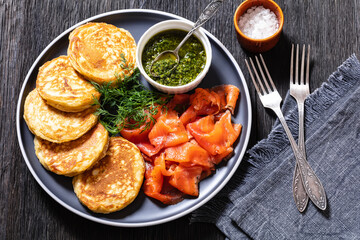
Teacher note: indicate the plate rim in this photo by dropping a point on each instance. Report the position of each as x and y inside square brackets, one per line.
[155, 222]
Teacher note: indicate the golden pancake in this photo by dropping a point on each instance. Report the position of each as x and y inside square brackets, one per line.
[114, 181]
[74, 157]
[96, 50]
[54, 125]
[62, 87]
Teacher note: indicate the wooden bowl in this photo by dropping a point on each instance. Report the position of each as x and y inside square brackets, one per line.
[258, 45]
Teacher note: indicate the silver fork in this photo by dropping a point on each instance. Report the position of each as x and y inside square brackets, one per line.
[300, 90]
[271, 98]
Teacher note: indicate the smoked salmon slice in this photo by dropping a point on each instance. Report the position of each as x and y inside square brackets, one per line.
[211, 101]
[215, 137]
[205, 102]
[168, 129]
[202, 102]
[189, 154]
[229, 95]
[147, 148]
[179, 103]
[166, 132]
[136, 135]
[154, 186]
[140, 138]
[166, 168]
[186, 179]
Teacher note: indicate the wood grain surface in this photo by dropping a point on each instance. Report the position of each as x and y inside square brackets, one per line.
[331, 27]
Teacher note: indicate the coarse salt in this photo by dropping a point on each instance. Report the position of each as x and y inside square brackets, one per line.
[258, 22]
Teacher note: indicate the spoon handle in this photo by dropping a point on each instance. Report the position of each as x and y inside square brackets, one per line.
[206, 14]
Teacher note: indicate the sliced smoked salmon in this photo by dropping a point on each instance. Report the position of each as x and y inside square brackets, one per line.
[215, 137]
[168, 129]
[181, 151]
[229, 95]
[189, 154]
[186, 179]
[153, 186]
[202, 102]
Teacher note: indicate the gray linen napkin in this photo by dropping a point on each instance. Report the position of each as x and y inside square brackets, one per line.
[258, 203]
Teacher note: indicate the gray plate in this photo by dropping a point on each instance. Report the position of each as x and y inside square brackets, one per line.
[143, 211]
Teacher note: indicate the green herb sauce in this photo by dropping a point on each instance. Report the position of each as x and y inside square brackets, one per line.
[192, 58]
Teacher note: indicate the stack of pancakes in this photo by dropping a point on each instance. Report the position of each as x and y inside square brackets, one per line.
[108, 172]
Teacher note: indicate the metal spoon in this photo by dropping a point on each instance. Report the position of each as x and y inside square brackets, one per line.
[206, 14]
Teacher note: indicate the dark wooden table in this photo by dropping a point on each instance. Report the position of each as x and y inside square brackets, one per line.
[27, 27]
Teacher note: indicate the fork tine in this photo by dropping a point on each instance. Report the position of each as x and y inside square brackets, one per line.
[258, 77]
[252, 77]
[267, 73]
[302, 65]
[308, 65]
[263, 75]
[292, 65]
[297, 65]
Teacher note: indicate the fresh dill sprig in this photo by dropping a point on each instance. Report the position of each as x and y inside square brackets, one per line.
[128, 104]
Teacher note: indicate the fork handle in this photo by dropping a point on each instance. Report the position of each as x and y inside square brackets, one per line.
[301, 139]
[311, 182]
[300, 196]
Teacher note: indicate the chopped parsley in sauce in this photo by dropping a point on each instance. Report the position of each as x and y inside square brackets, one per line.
[192, 58]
